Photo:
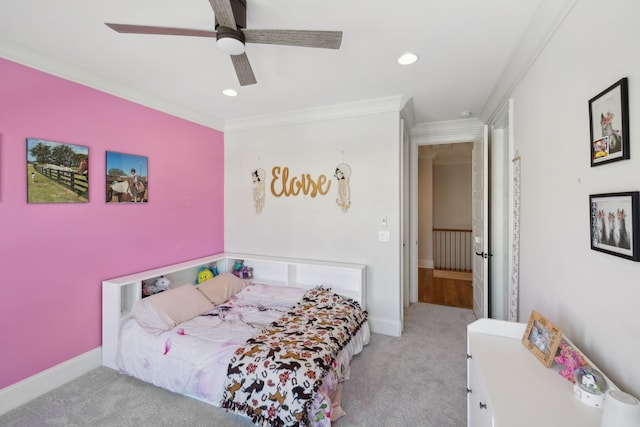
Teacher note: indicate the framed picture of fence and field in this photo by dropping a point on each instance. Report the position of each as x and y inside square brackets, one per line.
[57, 172]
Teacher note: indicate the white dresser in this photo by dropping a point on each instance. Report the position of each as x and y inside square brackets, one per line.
[508, 387]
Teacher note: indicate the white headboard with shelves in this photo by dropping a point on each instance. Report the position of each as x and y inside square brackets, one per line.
[120, 293]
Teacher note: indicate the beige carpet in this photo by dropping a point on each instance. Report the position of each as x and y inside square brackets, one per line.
[418, 379]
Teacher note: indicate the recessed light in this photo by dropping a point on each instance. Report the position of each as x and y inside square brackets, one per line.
[230, 92]
[407, 58]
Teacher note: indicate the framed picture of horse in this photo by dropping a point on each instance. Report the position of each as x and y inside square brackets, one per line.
[127, 178]
[614, 224]
[609, 123]
[57, 172]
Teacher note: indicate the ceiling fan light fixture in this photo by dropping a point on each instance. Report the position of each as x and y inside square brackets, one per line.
[230, 45]
[407, 59]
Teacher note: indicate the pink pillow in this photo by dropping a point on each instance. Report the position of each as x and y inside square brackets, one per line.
[222, 287]
[164, 310]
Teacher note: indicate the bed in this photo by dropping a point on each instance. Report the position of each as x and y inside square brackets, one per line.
[274, 347]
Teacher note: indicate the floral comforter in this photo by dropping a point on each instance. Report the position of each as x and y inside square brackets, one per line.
[274, 377]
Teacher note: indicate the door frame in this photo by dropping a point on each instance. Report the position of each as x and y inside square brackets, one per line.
[449, 132]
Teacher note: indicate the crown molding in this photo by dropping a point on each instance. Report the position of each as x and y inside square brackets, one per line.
[407, 113]
[18, 54]
[21, 55]
[543, 26]
[351, 109]
[445, 132]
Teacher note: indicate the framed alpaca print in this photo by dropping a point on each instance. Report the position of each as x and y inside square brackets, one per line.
[609, 124]
[614, 224]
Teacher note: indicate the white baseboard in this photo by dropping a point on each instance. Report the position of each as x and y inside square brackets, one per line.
[28, 389]
[424, 263]
[385, 327]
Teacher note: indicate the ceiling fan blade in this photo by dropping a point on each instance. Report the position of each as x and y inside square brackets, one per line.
[243, 69]
[147, 29]
[224, 13]
[305, 38]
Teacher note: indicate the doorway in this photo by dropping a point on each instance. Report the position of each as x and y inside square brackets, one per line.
[444, 224]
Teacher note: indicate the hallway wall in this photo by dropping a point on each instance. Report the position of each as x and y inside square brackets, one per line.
[444, 193]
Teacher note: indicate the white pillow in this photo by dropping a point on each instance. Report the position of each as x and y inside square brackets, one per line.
[164, 310]
[222, 287]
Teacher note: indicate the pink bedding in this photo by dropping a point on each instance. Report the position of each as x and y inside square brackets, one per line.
[193, 358]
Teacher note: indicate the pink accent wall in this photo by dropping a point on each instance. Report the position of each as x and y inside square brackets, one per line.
[53, 257]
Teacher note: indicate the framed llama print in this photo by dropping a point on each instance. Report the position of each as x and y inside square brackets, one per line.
[609, 124]
[57, 172]
[127, 178]
[614, 224]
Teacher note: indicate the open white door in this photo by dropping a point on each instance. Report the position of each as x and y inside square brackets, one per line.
[480, 222]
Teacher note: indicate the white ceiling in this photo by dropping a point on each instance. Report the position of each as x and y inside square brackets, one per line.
[463, 47]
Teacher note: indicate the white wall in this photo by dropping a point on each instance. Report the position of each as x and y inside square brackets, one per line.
[315, 227]
[593, 296]
[452, 195]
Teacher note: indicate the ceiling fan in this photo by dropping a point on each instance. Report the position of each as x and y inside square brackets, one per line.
[231, 35]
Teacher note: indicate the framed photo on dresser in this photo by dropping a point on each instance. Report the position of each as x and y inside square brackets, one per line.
[542, 338]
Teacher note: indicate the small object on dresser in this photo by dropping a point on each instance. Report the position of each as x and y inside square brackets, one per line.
[590, 386]
[542, 338]
[570, 359]
[620, 410]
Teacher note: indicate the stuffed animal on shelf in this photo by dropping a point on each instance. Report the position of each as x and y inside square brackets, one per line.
[148, 289]
[241, 270]
[246, 273]
[237, 266]
[204, 274]
[570, 359]
[214, 269]
[162, 283]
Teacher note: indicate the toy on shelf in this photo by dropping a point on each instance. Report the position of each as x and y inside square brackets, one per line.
[214, 269]
[148, 289]
[204, 274]
[162, 283]
[570, 359]
[241, 270]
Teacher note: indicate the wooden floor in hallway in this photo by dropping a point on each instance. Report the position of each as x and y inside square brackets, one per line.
[451, 288]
